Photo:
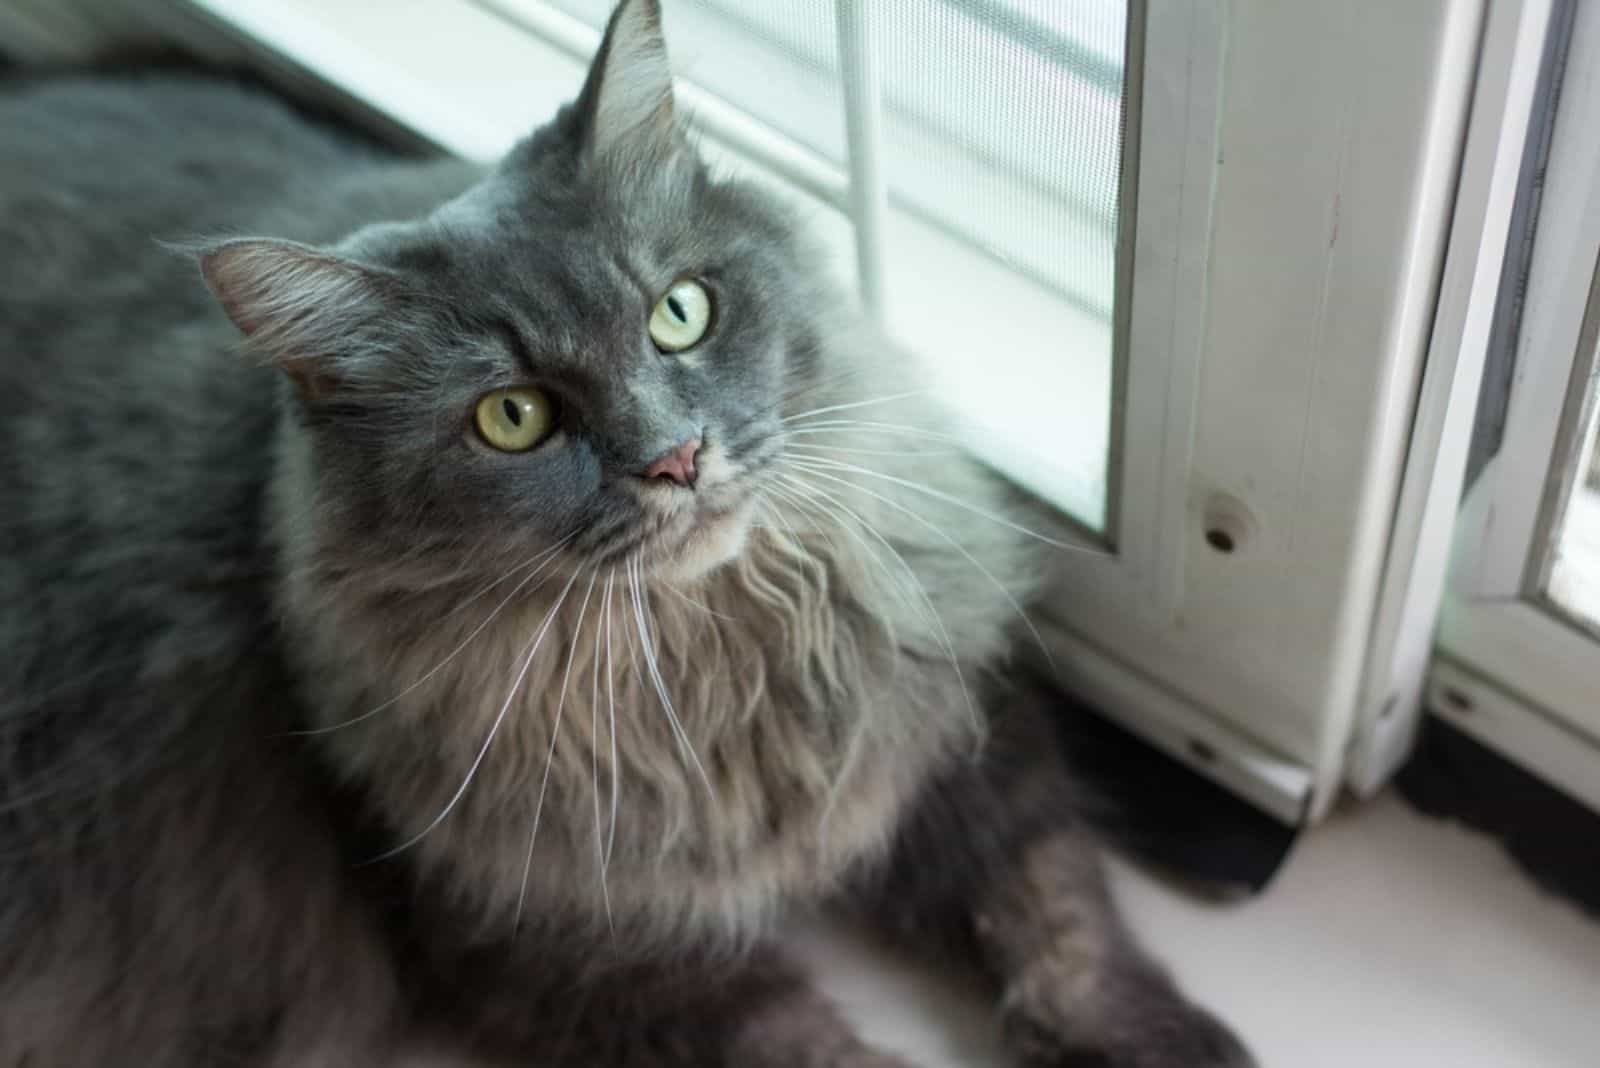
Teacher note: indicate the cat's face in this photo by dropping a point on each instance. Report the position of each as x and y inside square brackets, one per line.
[593, 347]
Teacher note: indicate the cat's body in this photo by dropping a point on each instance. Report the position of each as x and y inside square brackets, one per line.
[308, 755]
[152, 794]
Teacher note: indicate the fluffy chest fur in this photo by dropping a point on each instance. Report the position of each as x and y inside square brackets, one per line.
[586, 745]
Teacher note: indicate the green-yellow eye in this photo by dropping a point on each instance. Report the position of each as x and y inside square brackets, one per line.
[681, 316]
[516, 419]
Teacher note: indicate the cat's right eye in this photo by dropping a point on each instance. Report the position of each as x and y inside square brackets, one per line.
[515, 419]
[681, 317]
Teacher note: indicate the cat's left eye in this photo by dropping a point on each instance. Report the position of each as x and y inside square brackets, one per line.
[515, 419]
[681, 316]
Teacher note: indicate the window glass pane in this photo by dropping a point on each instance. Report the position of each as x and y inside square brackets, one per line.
[1003, 129]
[1006, 128]
[1574, 566]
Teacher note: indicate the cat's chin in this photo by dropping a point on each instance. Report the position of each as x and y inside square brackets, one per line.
[712, 541]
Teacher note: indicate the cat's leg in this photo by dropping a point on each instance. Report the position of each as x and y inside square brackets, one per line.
[995, 869]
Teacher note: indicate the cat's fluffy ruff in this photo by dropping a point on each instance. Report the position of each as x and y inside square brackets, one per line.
[813, 681]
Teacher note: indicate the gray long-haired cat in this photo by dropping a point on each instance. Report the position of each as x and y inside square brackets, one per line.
[553, 592]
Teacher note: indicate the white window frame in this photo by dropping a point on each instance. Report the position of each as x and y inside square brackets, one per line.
[1512, 671]
[1507, 669]
[1392, 700]
[1250, 666]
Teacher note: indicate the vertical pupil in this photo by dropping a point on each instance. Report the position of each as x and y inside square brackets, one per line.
[676, 308]
[513, 413]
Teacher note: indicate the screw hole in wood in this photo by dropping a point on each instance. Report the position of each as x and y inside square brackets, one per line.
[1228, 524]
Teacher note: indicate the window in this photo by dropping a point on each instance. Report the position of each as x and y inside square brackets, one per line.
[1517, 659]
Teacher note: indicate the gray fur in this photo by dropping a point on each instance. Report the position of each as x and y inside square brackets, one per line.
[315, 710]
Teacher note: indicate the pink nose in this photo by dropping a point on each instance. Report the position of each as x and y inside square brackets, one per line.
[677, 465]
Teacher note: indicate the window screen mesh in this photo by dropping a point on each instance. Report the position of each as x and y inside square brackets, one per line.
[1001, 118]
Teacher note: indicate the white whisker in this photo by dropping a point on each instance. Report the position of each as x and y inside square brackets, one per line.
[541, 557]
[923, 453]
[834, 507]
[867, 427]
[853, 749]
[855, 404]
[550, 755]
[770, 506]
[686, 599]
[953, 543]
[647, 647]
[611, 705]
[494, 729]
[594, 729]
[940, 495]
[547, 556]
[790, 498]
[594, 759]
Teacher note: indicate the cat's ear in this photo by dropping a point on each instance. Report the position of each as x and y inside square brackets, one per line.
[294, 302]
[627, 98]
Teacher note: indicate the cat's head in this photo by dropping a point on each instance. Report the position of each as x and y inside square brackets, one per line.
[594, 343]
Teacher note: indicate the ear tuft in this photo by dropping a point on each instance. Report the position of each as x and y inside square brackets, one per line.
[294, 302]
[627, 97]
[273, 286]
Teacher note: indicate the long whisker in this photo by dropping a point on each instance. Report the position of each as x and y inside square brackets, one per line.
[652, 667]
[853, 749]
[953, 543]
[808, 499]
[855, 404]
[862, 426]
[769, 505]
[833, 506]
[611, 705]
[594, 747]
[647, 647]
[788, 496]
[494, 729]
[547, 556]
[486, 587]
[550, 756]
[925, 453]
[791, 498]
[792, 393]
[940, 495]
[594, 760]
[690, 601]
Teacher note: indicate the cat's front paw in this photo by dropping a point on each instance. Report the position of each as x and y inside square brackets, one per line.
[1143, 1023]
